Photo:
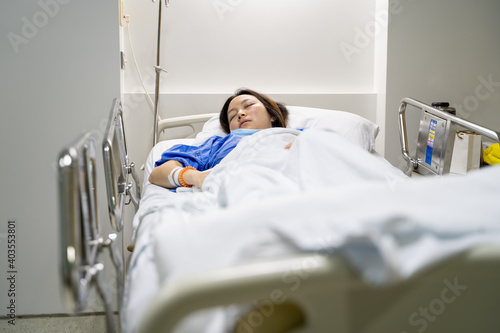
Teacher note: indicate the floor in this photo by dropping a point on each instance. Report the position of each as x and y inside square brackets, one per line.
[95, 323]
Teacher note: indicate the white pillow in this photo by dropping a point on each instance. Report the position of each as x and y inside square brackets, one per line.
[352, 126]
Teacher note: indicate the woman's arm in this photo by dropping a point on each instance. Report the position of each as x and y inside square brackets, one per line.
[159, 175]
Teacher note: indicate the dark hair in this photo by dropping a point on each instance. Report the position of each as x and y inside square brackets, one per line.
[276, 110]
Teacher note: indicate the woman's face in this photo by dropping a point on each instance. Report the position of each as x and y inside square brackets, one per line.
[246, 111]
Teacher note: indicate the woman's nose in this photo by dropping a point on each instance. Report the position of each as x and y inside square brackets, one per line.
[241, 114]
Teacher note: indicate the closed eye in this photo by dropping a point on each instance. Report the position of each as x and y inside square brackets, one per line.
[231, 115]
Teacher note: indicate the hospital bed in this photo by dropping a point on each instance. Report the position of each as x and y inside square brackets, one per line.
[366, 249]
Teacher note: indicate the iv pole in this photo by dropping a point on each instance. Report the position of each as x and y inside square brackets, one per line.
[158, 70]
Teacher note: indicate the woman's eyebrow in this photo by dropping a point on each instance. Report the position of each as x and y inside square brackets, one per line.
[234, 109]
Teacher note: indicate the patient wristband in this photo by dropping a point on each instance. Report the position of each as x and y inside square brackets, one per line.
[181, 173]
[173, 177]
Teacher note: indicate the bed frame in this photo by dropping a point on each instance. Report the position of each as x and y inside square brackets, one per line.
[81, 238]
[117, 168]
[78, 217]
[333, 298]
[329, 294]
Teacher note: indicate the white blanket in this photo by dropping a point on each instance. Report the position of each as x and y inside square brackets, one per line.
[324, 194]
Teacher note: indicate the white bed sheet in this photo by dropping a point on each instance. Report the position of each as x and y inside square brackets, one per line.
[263, 201]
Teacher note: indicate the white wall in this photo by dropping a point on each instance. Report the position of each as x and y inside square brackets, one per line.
[313, 53]
[58, 79]
[275, 46]
[443, 51]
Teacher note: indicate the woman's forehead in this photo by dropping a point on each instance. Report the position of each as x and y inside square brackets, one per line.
[240, 99]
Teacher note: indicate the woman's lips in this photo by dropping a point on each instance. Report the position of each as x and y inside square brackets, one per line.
[243, 122]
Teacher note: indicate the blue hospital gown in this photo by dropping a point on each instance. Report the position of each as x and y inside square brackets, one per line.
[202, 157]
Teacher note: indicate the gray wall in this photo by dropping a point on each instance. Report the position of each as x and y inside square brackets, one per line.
[443, 51]
[59, 72]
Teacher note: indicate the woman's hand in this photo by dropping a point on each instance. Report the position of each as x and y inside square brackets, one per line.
[159, 175]
[289, 145]
[195, 177]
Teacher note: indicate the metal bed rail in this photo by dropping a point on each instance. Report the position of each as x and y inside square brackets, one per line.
[184, 121]
[450, 119]
[81, 238]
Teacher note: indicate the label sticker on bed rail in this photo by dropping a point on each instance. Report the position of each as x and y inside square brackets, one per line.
[430, 141]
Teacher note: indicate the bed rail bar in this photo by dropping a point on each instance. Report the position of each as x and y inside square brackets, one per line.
[247, 283]
[117, 168]
[184, 121]
[324, 287]
[81, 237]
[449, 118]
[188, 121]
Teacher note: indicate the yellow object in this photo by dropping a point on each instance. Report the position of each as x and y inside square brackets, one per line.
[491, 155]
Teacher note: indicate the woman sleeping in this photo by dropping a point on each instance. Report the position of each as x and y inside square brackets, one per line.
[326, 194]
[242, 114]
